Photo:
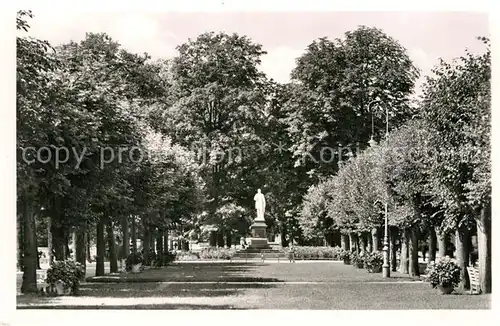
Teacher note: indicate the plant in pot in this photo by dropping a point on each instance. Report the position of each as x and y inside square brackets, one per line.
[134, 262]
[373, 262]
[444, 274]
[345, 255]
[64, 276]
[358, 260]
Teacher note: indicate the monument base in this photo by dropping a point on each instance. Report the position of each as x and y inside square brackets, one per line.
[259, 238]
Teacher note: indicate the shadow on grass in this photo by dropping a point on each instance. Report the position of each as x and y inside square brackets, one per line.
[191, 272]
[142, 290]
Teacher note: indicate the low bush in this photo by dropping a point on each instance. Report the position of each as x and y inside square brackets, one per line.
[217, 253]
[345, 256]
[133, 259]
[373, 262]
[167, 258]
[311, 253]
[187, 256]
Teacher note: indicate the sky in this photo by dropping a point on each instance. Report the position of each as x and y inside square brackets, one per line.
[427, 36]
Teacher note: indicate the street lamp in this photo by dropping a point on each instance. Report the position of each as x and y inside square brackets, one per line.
[386, 271]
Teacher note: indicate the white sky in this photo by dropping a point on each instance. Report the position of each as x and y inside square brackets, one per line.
[427, 35]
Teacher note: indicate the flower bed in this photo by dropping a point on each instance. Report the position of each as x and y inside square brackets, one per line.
[316, 253]
[187, 256]
[217, 253]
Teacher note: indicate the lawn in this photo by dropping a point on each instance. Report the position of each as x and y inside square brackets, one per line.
[313, 285]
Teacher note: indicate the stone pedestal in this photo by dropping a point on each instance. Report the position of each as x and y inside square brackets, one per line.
[259, 238]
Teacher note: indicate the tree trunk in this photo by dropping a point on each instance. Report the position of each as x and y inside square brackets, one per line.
[165, 242]
[87, 244]
[20, 240]
[375, 240]
[284, 241]
[462, 254]
[362, 241]
[146, 245]
[126, 239]
[393, 233]
[213, 239]
[484, 248]
[58, 241]
[133, 231]
[432, 245]
[344, 242]
[159, 247]
[49, 241]
[113, 262]
[369, 242]
[403, 262]
[413, 269]
[80, 252]
[30, 248]
[442, 240]
[100, 248]
[229, 239]
[353, 239]
[220, 239]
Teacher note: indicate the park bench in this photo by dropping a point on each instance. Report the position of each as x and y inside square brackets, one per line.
[41, 279]
[475, 285]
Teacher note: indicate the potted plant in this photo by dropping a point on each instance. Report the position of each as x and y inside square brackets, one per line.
[64, 276]
[373, 262]
[444, 274]
[134, 262]
[345, 255]
[358, 260]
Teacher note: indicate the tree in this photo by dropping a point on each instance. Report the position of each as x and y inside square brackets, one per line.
[335, 83]
[217, 106]
[456, 108]
[34, 65]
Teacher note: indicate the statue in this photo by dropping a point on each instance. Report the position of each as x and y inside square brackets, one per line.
[260, 205]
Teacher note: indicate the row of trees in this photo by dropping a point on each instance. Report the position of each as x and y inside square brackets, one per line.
[433, 172]
[88, 159]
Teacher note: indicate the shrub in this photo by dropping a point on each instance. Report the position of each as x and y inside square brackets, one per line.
[68, 272]
[444, 272]
[133, 259]
[345, 255]
[306, 253]
[187, 255]
[373, 262]
[217, 253]
[168, 257]
[358, 260]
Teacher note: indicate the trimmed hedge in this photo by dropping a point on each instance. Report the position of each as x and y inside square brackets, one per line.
[206, 254]
[312, 253]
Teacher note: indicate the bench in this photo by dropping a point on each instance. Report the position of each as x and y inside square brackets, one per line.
[475, 283]
[41, 277]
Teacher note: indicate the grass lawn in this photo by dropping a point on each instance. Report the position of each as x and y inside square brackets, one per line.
[259, 286]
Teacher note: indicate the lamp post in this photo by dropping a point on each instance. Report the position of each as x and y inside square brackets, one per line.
[386, 271]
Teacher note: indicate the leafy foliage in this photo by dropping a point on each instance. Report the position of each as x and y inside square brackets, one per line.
[67, 271]
[444, 272]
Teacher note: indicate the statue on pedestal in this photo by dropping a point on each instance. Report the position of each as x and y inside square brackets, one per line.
[260, 205]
